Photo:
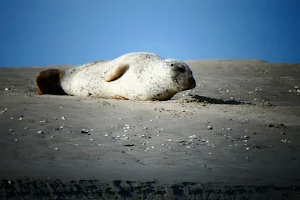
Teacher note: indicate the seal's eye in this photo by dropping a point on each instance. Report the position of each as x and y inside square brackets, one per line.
[179, 68]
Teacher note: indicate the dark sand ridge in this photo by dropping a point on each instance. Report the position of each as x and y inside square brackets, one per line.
[245, 145]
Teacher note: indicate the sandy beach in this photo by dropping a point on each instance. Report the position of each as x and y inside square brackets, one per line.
[235, 136]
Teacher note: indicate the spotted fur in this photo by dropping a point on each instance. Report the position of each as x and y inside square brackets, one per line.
[146, 76]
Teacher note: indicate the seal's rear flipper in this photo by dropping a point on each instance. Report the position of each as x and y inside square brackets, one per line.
[48, 82]
[116, 72]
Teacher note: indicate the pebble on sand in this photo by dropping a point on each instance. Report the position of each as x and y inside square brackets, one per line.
[4, 110]
[285, 141]
[85, 131]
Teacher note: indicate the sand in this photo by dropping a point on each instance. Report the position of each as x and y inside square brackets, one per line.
[236, 135]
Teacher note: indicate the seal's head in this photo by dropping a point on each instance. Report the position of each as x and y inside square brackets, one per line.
[176, 76]
[181, 75]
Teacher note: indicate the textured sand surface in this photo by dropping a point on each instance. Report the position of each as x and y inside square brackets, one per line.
[195, 146]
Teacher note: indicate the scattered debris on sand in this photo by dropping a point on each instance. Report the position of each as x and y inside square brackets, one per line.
[276, 125]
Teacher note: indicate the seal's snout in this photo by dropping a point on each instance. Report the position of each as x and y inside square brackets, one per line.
[191, 83]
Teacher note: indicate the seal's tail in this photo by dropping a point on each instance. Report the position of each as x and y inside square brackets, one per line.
[48, 82]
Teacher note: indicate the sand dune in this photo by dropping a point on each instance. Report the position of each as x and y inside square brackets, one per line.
[235, 134]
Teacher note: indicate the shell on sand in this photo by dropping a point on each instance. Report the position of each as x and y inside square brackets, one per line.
[136, 76]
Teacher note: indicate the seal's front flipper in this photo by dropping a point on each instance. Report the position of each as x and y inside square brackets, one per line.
[116, 72]
[48, 82]
[119, 97]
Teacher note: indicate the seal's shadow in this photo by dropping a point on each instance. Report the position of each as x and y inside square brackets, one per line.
[198, 98]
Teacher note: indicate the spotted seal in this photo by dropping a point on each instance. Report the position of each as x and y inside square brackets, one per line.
[133, 76]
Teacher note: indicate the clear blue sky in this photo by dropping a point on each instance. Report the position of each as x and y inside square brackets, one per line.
[46, 32]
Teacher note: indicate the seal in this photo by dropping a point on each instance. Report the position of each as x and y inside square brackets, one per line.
[132, 76]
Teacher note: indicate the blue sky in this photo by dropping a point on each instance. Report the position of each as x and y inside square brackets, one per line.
[47, 32]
